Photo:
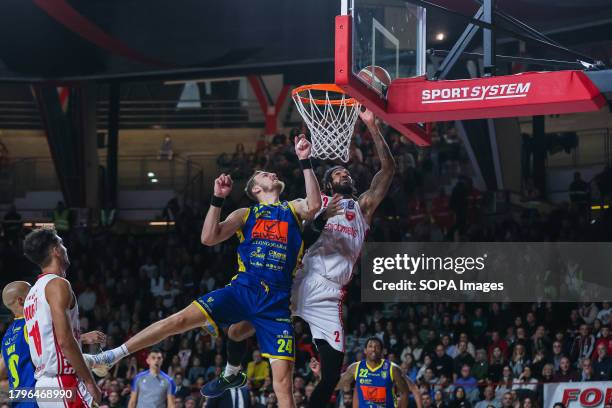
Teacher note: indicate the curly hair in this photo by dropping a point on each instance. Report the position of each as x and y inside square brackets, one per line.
[37, 245]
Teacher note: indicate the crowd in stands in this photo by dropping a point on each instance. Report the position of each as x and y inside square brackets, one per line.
[461, 355]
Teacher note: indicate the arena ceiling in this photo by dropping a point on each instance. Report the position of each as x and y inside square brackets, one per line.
[126, 39]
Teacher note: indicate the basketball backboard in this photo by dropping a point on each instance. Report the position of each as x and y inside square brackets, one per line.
[389, 37]
[388, 34]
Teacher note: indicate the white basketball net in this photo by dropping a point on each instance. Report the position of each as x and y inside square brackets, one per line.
[331, 124]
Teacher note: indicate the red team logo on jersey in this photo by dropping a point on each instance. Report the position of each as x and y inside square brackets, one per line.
[350, 215]
[272, 230]
[377, 395]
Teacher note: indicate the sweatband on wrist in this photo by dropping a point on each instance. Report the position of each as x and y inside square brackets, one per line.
[305, 164]
[319, 223]
[217, 201]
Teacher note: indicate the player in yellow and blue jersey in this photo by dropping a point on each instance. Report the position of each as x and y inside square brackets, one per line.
[270, 250]
[377, 378]
[16, 361]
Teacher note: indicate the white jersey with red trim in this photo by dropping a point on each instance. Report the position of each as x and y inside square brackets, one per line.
[45, 351]
[334, 253]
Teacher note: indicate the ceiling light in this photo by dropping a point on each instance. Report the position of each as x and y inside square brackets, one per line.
[440, 36]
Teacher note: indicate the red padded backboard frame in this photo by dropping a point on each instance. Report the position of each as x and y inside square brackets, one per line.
[416, 100]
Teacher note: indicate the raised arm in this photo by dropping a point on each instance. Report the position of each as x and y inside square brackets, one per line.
[348, 376]
[307, 209]
[371, 199]
[60, 298]
[214, 230]
[414, 389]
[401, 384]
[314, 228]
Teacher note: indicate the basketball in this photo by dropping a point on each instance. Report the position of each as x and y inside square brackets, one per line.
[377, 77]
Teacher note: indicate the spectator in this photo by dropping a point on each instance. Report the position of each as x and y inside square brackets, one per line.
[408, 368]
[166, 151]
[190, 402]
[442, 363]
[181, 390]
[157, 283]
[233, 398]
[506, 382]
[586, 370]
[489, 398]
[463, 357]
[539, 341]
[602, 365]
[152, 388]
[480, 369]
[548, 373]
[507, 401]
[497, 341]
[583, 344]
[196, 370]
[565, 372]
[519, 360]
[525, 381]
[528, 402]
[478, 323]
[557, 354]
[426, 400]
[217, 367]
[604, 313]
[148, 269]
[460, 399]
[258, 370]
[439, 401]
[115, 400]
[87, 299]
[496, 364]
[588, 312]
[468, 383]
[427, 365]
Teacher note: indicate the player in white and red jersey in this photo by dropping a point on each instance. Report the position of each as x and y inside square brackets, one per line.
[318, 289]
[52, 320]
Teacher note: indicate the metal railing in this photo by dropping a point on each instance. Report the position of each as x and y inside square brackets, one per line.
[146, 114]
[185, 175]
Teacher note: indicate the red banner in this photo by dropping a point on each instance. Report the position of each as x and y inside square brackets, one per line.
[531, 93]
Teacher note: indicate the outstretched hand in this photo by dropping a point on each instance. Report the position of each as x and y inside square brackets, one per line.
[334, 208]
[93, 337]
[223, 185]
[367, 117]
[315, 366]
[302, 147]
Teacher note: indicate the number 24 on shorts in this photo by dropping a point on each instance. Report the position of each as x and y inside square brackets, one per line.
[285, 345]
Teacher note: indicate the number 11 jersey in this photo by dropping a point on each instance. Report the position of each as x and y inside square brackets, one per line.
[45, 351]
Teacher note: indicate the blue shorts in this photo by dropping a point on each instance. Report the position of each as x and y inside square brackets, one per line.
[248, 298]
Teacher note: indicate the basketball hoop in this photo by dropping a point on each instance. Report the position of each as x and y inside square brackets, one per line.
[330, 116]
